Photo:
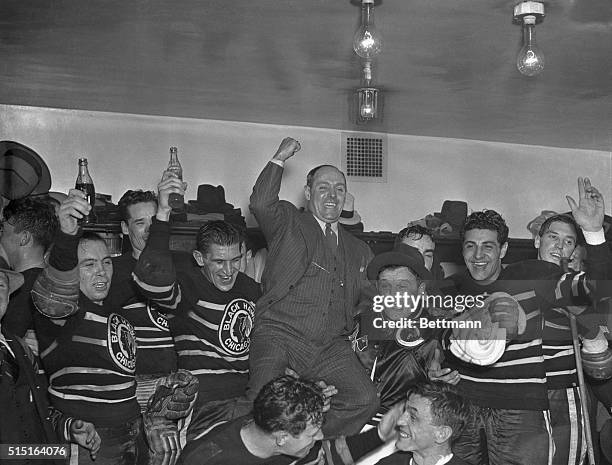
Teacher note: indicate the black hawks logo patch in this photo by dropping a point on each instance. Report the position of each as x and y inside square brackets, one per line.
[122, 342]
[236, 326]
[158, 319]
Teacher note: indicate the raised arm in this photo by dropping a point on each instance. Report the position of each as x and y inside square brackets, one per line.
[265, 203]
[56, 290]
[582, 288]
[155, 274]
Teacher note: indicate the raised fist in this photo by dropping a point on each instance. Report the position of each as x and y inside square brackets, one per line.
[287, 149]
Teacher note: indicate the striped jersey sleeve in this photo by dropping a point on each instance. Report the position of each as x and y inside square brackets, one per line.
[155, 272]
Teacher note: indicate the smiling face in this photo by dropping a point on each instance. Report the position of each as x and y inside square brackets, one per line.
[558, 241]
[416, 431]
[483, 254]
[95, 269]
[220, 264]
[137, 225]
[326, 195]
[300, 445]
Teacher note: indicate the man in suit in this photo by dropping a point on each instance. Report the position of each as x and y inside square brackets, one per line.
[312, 282]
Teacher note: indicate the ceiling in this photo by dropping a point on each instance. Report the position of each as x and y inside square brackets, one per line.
[447, 68]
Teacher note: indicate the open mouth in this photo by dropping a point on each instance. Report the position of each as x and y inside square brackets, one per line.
[479, 264]
[100, 286]
[404, 434]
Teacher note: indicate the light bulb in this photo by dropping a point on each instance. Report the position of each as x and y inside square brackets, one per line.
[368, 103]
[530, 60]
[366, 111]
[367, 41]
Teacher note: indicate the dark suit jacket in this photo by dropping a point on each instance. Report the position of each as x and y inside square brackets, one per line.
[293, 236]
[25, 417]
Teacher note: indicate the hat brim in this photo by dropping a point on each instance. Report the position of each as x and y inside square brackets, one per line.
[395, 258]
[15, 279]
[35, 180]
[356, 218]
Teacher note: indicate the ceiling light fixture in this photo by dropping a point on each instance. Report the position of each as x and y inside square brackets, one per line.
[367, 41]
[367, 97]
[530, 60]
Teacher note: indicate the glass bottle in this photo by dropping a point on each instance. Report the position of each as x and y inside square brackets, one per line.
[176, 201]
[85, 184]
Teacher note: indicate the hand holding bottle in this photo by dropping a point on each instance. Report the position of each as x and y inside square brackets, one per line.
[73, 208]
[176, 200]
[169, 184]
[85, 184]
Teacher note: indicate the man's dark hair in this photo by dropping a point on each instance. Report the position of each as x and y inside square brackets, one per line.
[562, 218]
[417, 231]
[132, 197]
[311, 174]
[448, 408]
[487, 219]
[218, 232]
[288, 404]
[34, 216]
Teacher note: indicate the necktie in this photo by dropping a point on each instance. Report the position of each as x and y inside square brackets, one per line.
[330, 238]
[8, 365]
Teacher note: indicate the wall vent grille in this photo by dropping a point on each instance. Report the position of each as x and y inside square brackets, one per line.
[364, 157]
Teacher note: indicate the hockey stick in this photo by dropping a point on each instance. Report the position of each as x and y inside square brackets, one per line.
[583, 391]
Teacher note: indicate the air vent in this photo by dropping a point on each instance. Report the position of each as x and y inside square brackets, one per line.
[364, 157]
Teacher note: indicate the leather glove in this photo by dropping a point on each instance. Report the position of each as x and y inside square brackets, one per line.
[56, 293]
[163, 440]
[507, 312]
[174, 396]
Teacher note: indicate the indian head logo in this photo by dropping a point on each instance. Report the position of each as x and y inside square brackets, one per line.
[122, 342]
[236, 326]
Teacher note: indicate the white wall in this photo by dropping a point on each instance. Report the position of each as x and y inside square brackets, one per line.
[131, 151]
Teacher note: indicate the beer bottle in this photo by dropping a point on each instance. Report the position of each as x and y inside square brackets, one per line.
[85, 184]
[175, 200]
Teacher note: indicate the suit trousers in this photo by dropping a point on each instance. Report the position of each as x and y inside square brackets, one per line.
[332, 361]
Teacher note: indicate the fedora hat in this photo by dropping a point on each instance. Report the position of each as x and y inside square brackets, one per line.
[22, 171]
[401, 255]
[211, 199]
[349, 216]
